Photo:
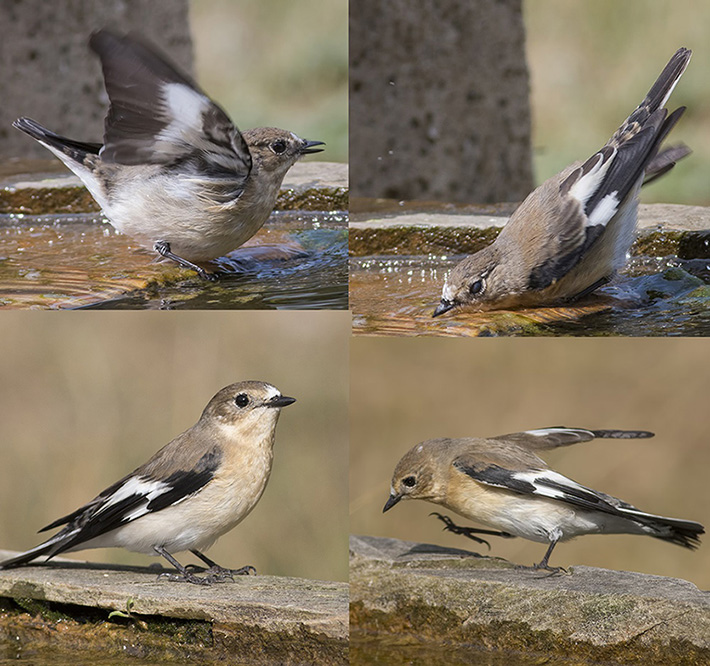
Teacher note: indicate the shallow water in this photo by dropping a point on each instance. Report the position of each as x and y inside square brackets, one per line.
[80, 261]
[396, 295]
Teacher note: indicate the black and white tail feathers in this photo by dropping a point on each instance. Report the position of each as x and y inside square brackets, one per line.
[76, 150]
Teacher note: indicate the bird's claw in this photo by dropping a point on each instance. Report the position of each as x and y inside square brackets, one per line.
[450, 526]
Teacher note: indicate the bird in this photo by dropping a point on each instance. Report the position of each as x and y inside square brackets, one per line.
[501, 482]
[174, 172]
[573, 233]
[191, 492]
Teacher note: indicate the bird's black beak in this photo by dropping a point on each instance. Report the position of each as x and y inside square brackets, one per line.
[308, 148]
[391, 501]
[444, 306]
[280, 401]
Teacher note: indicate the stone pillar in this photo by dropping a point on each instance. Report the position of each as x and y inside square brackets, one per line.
[439, 104]
[49, 74]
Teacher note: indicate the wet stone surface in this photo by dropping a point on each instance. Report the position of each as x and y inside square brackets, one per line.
[76, 259]
[401, 254]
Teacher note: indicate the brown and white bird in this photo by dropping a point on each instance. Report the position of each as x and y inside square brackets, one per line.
[500, 482]
[574, 232]
[191, 492]
[174, 172]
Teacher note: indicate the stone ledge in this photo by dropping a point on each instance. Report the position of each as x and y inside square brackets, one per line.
[429, 594]
[313, 186]
[664, 229]
[256, 619]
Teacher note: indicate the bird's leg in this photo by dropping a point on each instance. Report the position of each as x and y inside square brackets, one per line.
[184, 574]
[163, 249]
[592, 287]
[450, 526]
[543, 564]
[219, 573]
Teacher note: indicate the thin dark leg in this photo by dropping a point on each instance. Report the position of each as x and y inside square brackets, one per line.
[184, 574]
[592, 287]
[163, 249]
[543, 564]
[220, 572]
[450, 526]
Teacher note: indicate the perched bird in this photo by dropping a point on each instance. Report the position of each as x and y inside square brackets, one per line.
[173, 171]
[191, 492]
[572, 233]
[501, 482]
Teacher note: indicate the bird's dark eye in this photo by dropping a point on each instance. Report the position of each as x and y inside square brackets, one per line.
[476, 287]
[242, 400]
[409, 481]
[279, 146]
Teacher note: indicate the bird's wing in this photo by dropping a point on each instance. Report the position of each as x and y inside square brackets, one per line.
[593, 193]
[541, 483]
[160, 116]
[130, 498]
[556, 436]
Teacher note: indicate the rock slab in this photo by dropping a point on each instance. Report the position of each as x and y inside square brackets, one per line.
[431, 594]
[255, 619]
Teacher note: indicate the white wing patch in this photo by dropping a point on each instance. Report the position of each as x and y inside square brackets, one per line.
[534, 478]
[588, 184]
[544, 432]
[605, 209]
[184, 108]
[149, 489]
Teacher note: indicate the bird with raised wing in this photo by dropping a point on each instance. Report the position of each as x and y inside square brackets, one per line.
[500, 482]
[173, 171]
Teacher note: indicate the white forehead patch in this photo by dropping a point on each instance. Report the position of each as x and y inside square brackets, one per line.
[272, 392]
[296, 137]
[420, 448]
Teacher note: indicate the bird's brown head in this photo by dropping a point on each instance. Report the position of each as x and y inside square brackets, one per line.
[275, 150]
[420, 474]
[246, 404]
[475, 281]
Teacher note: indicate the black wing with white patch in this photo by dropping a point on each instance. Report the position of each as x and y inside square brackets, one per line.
[160, 116]
[129, 499]
[594, 193]
[543, 483]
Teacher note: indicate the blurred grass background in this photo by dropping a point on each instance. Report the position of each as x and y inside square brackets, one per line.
[275, 63]
[404, 391]
[87, 397]
[591, 63]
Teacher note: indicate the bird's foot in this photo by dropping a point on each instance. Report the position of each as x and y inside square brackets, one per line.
[543, 566]
[163, 249]
[450, 526]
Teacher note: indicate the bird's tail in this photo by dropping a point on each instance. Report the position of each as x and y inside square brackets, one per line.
[664, 161]
[684, 533]
[75, 150]
[49, 548]
[666, 81]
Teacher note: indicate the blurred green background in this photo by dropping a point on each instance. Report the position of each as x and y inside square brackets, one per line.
[591, 63]
[276, 63]
[87, 397]
[404, 391]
